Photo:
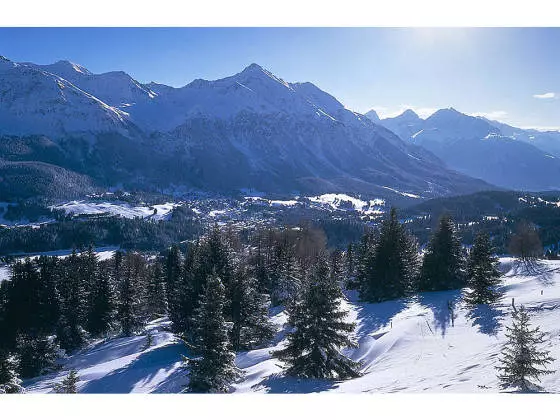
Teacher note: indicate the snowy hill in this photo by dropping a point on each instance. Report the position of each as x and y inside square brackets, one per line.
[404, 346]
[252, 130]
[497, 153]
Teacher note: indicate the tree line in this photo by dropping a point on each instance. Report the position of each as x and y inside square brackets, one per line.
[218, 290]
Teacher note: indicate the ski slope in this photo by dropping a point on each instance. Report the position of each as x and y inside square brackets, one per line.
[407, 345]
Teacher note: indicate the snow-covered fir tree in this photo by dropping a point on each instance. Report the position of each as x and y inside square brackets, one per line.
[443, 267]
[10, 383]
[483, 274]
[214, 370]
[521, 360]
[156, 293]
[68, 384]
[319, 330]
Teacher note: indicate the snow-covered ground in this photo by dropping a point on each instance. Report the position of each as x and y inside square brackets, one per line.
[407, 345]
[155, 212]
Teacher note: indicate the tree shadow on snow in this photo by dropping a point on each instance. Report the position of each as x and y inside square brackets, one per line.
[534, 268]
[438, 303]
[280, 384]
[141, 371]
[487, 318]
[372, 317]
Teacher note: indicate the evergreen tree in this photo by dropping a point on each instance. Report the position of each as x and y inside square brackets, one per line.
[49, 300]
[520, 359]
[215, 369]
[156, 293]
[132, 311]
[68, 384]
[391, 269]
[36, 354]
[313, 349]
[74, 305]
[173, 274]
[284, 273]
[251, 325]
[102, 309]
[9, 379]
[483, 275]
[443, 267]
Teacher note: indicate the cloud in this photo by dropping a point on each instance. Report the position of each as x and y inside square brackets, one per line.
[492, 115]
[549, 95]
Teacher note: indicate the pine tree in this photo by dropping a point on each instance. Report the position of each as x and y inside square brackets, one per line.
[520, 359]
[102, 304]
[36, 354]
[313, 349]
[391, 269]
[173, 274]
[132, 306]
[74, 304]
[483, 275]
[251, 325]
[443, 267]
[156, 293]
[214, 370]
[9, 379]
[68, 384]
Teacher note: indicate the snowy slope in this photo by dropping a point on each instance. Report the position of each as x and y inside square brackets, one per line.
[155, 212]
[404, 345]
[33, 101]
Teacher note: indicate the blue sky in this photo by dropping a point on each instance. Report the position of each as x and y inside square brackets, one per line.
[510, 74]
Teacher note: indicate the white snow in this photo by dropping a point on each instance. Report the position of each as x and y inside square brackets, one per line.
[407, 345]
[405, 194]
[155, 212]
[339, 201]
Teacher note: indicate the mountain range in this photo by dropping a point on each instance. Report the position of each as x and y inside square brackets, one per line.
[65, 131]
[498, 153]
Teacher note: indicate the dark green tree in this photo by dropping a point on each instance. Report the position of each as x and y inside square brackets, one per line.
[102, 310]
[132, 305]
[443, 267]
[319, 330]
[69, 384]
[391, 268]
[156, 293]
[251, 324]
[214, 370]
[483, 274]
[74, 304]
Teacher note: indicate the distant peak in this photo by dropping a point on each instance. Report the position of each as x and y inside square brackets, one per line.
[409, 113]
[2, 58]
[69, 65]
[372, 115]
[252, 68]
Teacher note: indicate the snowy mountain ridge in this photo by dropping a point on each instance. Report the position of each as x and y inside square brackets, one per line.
[251, 130]
[495, 152]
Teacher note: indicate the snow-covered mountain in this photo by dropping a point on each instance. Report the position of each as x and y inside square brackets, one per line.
[250, 130]
[500, 154]
[33, 101]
